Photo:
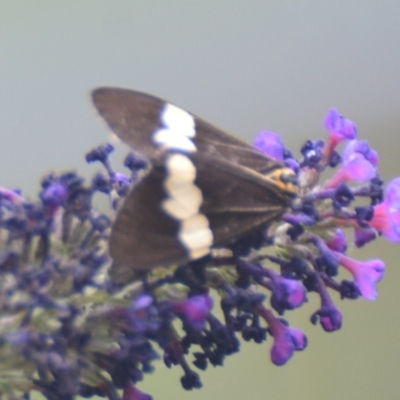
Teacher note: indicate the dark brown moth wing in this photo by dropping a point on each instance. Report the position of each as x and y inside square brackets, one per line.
[143, 236]
[216, 142]
[236, 201]
[134, 117]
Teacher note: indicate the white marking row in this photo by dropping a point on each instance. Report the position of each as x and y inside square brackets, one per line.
[179, 128]
[184, 197]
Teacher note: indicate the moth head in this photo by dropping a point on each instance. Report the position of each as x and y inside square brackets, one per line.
[286, 180]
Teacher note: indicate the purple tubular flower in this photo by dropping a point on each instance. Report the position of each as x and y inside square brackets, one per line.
[386, 218]
[338, 241]
[330, 319]
[359, 164]
[287, 294]
[339, 129]
[286, 339]
[194, 309]
[328, 315]
[365, 273]
[327, 258]
[392, 192]
[299, 338]
[269, 143]
[360, 147]
[297, 219]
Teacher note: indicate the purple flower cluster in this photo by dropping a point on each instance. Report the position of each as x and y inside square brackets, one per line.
[317, 221]
[67, 329]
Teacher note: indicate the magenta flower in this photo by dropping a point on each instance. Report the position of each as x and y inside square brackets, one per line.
[339, 129]
[386, 217]
[365, 273]
[359, 164]
[194, 309]
[360, 147]
[269, 143]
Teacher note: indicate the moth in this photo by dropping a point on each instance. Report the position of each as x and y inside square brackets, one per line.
[205, 188]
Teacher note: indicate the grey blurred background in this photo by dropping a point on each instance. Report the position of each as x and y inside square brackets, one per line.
[245, 66]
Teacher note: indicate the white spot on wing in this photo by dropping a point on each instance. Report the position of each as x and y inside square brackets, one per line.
[196, 235]
[183, 204]
[178, 120]
[180, 169]
[179, 128]
[172, 140]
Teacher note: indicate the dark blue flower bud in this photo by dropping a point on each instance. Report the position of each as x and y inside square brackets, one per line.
[191, 380]
[99, 153]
